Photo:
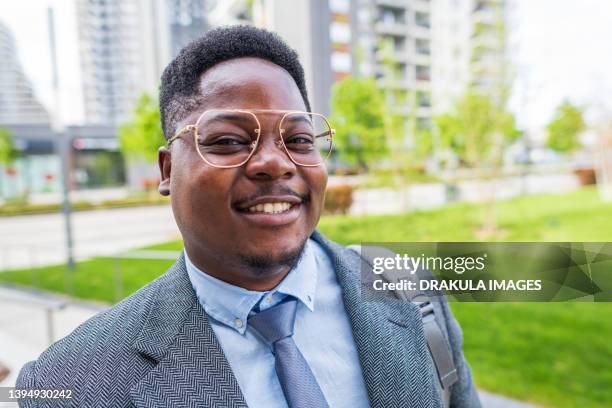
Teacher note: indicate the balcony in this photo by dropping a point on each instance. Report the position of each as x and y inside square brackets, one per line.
[400, 4]
[386, 83]
[398, 55]
[424, 100]
[391, 28]
[487, 17]
[421, 5]
[422, 73]
[420, 32]
[422, 47]
[494, 5]
[426, 51]
[422, 20]
[423, 112]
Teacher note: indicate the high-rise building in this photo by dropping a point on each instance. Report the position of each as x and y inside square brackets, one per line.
[468, 50]
[309, 35]
[187, 19]
[125, 44]
[386, 39]
[18, 104]
[396, 37]
[111, 58]
[489, 69]
[424, 53]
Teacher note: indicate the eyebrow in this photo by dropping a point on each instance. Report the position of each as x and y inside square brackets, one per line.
[228, 116]
[299, 119]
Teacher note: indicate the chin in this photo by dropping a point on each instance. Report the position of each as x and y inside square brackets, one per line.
[274, 256]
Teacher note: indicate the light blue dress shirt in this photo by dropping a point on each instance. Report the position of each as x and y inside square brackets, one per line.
[322, 331]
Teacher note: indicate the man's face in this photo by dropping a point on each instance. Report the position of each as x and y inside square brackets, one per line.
[211, 205]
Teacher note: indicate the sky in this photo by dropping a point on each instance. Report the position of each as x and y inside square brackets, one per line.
[561, 49]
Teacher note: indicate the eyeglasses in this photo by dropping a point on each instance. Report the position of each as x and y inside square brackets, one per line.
[227, 138]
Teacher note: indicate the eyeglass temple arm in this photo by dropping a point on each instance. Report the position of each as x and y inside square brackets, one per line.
[329, 132]
[180, 133]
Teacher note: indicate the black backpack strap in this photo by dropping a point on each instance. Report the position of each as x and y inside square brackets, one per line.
[437, 343]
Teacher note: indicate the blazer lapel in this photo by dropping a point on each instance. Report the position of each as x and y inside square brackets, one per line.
[191, 368]
[390, 340]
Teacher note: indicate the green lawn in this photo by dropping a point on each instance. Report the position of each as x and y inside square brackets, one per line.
[557, 355]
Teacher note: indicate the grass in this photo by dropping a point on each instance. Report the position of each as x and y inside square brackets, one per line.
[551, 354]
[100, 279]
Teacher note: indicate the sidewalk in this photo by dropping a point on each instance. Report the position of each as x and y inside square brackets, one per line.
[25, 332]
[30, 322]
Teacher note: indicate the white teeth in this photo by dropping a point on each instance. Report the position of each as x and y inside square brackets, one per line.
[270, 208]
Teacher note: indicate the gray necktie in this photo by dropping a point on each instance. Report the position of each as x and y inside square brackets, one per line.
[299, 384]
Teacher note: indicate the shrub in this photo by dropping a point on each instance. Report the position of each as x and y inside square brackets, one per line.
[338, 199]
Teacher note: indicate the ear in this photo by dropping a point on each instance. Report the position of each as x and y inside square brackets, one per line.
[164, 160]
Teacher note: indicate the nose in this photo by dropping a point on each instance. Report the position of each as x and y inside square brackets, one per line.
[270, 160]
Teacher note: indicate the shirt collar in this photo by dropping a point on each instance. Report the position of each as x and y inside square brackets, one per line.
[231, 305]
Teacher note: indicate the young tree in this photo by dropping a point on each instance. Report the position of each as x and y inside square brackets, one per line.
[142, 136]
[476, 131]
[564, 129]
[358, 116]
[8, 152]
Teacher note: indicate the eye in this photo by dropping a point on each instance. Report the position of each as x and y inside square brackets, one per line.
[223, 140]
[228, 141]
[300, 139]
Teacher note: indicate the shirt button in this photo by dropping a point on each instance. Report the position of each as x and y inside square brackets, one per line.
[268, 299]
[238, 323]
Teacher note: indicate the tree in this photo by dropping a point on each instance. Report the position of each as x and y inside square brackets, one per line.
[358, 116]
[8, 152]
[565, 127]
[143, 135]
[476, 131]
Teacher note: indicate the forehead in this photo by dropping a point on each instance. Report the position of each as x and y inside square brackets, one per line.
[250, 83]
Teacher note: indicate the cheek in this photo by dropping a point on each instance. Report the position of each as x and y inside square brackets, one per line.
[317, 180]
[200, 190]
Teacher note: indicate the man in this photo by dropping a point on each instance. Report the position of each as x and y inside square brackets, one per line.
[261, 310]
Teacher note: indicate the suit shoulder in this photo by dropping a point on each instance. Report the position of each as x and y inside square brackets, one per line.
[96, 349]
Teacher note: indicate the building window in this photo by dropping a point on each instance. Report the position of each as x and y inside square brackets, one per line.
[341, 62]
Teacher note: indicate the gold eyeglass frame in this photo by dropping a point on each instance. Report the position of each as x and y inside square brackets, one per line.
[255, 144]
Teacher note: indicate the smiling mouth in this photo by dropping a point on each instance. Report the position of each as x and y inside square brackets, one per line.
[270, 208]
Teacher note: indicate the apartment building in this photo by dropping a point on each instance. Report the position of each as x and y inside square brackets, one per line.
[468, 50]
[18, 104]
[124, 47]
[386, 39]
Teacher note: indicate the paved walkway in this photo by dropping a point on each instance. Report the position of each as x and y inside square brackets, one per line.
[31, 321]
[38, 240]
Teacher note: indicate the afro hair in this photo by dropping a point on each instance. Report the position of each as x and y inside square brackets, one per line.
[179, 92]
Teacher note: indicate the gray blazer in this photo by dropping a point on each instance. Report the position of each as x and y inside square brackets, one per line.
[156, 348]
